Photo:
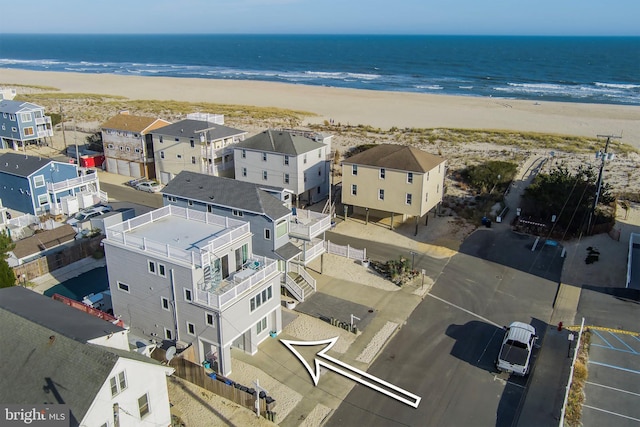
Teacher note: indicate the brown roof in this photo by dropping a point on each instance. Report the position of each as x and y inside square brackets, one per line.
[133, 123]
[400, 157]
[42, 241]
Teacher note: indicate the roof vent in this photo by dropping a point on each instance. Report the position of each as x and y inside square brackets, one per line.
[200, 187]
[211, 197]
[52, 339]
[188, 179]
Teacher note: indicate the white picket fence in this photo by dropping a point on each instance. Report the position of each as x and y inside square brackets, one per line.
[345, 251]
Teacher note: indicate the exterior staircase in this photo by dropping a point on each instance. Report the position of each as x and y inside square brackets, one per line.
[300, 284]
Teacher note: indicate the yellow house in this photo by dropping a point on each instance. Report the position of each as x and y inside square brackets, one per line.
[393, 179]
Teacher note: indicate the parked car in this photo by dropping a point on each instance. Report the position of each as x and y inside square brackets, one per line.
[87, 214]
[517, 345]
[149, 186]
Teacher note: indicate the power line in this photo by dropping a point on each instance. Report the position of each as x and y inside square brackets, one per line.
[604, 157]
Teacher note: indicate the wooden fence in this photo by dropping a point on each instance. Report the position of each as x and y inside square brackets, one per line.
[207, 379]
[69, 254]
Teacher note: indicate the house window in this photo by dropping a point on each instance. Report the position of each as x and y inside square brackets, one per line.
[25, 117]
[171, 199]
[319, 171]
[439, 167]
[305, 177]
[137, 151]
[264, 175]
[143, 405]
[264, 157]
[286, 178]
[354, 169]
[286, 160]
[162, 271]
[208, 318]
[177, 139]
[161, 141]
[320, 153]
[38, 181]
[111, 146]
[244, 154]
[190, 202]
[354, 190]
[165, 303]
[438, 188]
[304, 159]
[179, 156]
[152, 267]
[14, 129]
[168, 334]
[409, 177]
[381, 194]
[43, 199]
[281, 228]
[162, 154]
[408, 199]
[192, 143]
[236, 212]
[193, 160]
[187, 295]
[427, 176]
[123, 287]
[28, 131]
[261, 298]
[244, 171]
[267, 234]
[128, 149]
[261, 325]
[118, 383]
[191, 328]
[382, 173]
[121, 148]
[426, 197]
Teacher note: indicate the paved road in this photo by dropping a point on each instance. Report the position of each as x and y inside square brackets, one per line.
[123, 193]
[445, 352]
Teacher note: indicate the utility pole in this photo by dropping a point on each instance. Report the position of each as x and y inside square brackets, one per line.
[603, 157]
[64, 137]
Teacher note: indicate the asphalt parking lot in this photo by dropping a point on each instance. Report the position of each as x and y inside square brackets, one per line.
[612, 391]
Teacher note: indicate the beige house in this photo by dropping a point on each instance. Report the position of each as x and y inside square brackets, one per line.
[392, 179]
[128, 146]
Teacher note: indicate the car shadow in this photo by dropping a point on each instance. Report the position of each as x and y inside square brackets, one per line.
[476, 343]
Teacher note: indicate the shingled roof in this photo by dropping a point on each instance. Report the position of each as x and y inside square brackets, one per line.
[399, 157]
[283, 142]
[45, 355]
[226, 192]
[44, 240]
[193, 128]
[20, 164]
[131, 123]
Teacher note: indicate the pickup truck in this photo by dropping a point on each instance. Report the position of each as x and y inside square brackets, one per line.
[517, 345]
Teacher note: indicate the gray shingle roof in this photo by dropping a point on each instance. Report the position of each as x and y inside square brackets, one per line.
[225, 192]
[21, 165]
[192, 128]
[399, 157]
[54, 315]
[282, 142]
[13, 107]
[41, 366]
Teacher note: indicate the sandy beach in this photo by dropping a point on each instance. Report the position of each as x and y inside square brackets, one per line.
[357, 107]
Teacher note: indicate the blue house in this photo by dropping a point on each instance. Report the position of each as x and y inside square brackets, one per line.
[22, 123]
[35, 185]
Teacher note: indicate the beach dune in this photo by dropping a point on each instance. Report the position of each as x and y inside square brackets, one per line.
[379, 109]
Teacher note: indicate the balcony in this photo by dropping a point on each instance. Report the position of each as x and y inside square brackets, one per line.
[73, 183]
[306, 225]
[254, 273]
[124, 234]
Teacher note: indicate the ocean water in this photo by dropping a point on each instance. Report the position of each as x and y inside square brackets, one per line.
[570, 69]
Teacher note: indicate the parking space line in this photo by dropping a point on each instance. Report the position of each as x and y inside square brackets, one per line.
[611, 413]
[465, 310]
[612, 388]
[623, 343]
[613, 348]
[637, 338]
[603, 339]
[606, 365]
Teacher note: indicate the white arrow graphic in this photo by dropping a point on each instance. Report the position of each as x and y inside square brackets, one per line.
[324, 360]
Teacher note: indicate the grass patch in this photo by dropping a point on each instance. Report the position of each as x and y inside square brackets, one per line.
[37, 87]
[573, 411]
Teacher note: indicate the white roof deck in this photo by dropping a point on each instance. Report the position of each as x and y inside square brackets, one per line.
[178, 233]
